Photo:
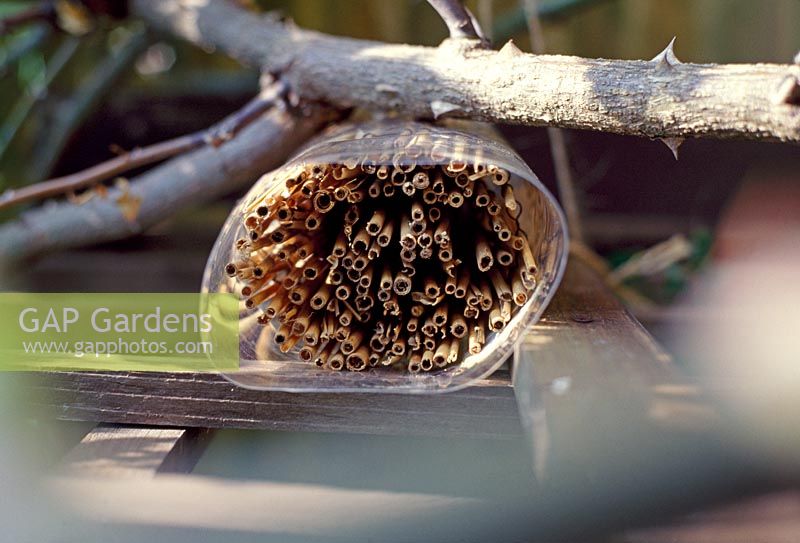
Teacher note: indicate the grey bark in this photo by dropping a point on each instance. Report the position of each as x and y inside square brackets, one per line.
[460, 78]
[190, 179]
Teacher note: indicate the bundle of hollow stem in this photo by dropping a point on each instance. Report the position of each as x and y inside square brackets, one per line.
[405, 264]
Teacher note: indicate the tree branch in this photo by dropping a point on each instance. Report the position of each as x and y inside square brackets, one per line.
[216, 135]
[190, 179]
[460, 22]
[640, 98]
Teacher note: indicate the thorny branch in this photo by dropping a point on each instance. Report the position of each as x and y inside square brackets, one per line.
[652, 99]
[215, 136]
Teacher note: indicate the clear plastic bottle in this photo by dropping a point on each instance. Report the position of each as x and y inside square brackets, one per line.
[392, 144]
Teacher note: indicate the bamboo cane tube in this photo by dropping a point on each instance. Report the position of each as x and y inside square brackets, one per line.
[385, 235]
[458, 326]
[374, 189]
[415, 363]
[483, 255]
[527, 258]
[505, 311]
[476, 339]
[440, 354]
[361, 242]
[276, 305]
[501, 287]
[402, 284]
[399, 347]
[432, 289]
[440, 316]
[429, 327]
[374, 250]
[504, 258]
[508, 198]
[421, 180]
[312, 333]
[452, 355]
[499, 175]
[426, 364]
[462, 285]
[455, 199]
[352, 342]
[359, 264]
[343, 291]
[450, 286]
[336, 361]
[486, 296]
[346, 317]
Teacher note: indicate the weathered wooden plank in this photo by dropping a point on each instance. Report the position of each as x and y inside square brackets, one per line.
[134, 451]
[203, 400]
[617, 431]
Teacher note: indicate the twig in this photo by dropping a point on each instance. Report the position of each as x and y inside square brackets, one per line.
[71, 113]
[190, 179]
[558, 145]
[39, 12]
[641, 98]
[460, 22]
[215, 136]
[26, 103]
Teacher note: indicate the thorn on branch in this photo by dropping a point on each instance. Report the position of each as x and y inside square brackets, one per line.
[666, 59]
[510, 50]
[460, 22]
[673, 144]
[228, 128]
[789, 91]
[440, 108]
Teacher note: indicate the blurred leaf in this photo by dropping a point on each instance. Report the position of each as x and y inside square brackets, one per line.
[32, 70]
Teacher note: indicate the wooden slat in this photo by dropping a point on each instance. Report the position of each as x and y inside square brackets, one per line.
[133, 451]
[617, 430]
[201, 400]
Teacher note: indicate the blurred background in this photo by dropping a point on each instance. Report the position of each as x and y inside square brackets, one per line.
[724, 303]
